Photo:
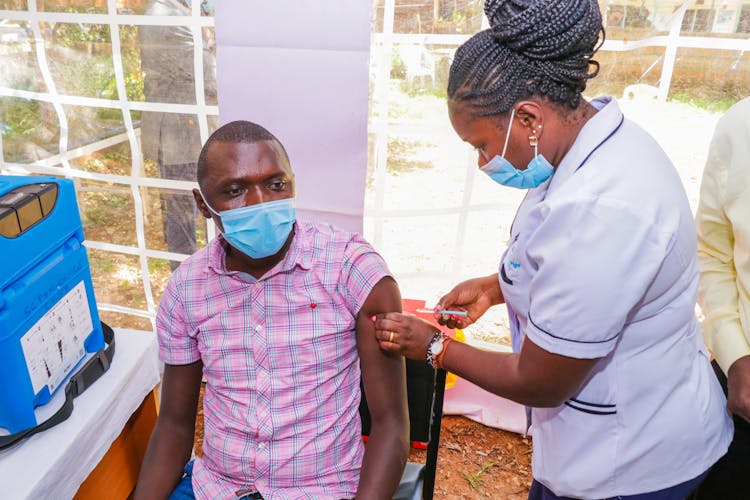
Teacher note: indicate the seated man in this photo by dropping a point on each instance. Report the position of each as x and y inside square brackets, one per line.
[274, 312]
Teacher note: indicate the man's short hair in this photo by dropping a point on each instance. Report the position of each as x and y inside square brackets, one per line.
[237, 132]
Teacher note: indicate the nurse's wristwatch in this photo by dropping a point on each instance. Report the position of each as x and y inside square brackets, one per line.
[436, 349]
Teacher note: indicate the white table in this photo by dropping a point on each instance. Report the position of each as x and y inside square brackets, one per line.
[55, 463]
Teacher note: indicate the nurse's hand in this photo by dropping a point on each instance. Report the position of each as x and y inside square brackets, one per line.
[408, 335]
[738, 385]
[474, 296]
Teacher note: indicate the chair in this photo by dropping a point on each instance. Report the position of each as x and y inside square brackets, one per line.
[425, 388]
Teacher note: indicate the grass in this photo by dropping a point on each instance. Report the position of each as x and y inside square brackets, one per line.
[706, 103]
[100, 261]
[101, 204]
[158, 265]
[475, 479]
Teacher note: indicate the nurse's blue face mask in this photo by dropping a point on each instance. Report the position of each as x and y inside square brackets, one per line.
[259, 230]
[503, 172]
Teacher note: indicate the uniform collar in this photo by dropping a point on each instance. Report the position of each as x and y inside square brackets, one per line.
[594, 132]
[298, 255]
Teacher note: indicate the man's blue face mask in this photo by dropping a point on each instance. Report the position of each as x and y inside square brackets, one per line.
[259, 230]
[503, 172]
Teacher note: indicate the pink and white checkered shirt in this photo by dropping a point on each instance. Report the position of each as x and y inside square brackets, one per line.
[280, 361]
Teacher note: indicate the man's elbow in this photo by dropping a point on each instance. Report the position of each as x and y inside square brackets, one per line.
[395, 429]
[400, 428]
[403, 444]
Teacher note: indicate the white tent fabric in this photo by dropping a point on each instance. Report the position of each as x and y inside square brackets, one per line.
[299, 68]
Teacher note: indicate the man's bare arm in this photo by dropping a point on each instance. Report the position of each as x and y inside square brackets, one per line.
[171, 442]
[384, 378]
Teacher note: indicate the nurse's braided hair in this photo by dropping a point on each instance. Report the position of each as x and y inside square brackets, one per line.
[537, 48]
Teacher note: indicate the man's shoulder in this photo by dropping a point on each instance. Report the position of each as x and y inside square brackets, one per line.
[322, 229]
[325, 237]
[325, 246]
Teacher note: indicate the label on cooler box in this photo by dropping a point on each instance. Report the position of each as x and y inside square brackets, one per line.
[54, 345]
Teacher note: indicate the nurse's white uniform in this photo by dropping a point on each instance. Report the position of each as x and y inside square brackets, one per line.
[602, 264]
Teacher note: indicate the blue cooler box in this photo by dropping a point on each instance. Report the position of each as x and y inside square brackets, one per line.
[48, 315]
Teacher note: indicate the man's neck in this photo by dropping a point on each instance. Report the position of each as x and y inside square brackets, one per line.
[238, 261]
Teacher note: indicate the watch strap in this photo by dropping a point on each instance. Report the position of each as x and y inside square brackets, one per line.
[438, 362]
[437, 337]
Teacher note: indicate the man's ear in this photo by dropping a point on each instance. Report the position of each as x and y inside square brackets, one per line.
[201, 204]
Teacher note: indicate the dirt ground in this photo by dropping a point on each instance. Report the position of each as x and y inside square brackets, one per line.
[474, 461]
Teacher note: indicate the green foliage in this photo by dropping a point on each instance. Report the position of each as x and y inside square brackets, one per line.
[94, 75]
[19, 117]
[100, 261]
[131, 63]
[432, 89]
[158, 265]
[710, 104]
[99, 205]
[200, 237]
[463, 19]
[398, 68]
[459, 19]
[415, 105]
[120, 153]
[73, 34]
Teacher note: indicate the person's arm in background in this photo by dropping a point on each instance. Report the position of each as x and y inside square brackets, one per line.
[171, 441]
[717, 293]
[384, 379]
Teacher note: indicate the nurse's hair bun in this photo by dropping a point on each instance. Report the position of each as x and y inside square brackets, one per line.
[546, 30]
[533, 47]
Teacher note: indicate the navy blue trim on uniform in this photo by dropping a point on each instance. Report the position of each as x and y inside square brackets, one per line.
[622, 120]
[571, 340]
[598, 405]
[592, 412]
[505, 276]
[510, 231]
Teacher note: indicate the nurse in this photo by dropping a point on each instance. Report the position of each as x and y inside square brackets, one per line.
[599, 277]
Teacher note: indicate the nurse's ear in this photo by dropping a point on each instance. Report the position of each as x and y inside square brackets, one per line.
[531, 116]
